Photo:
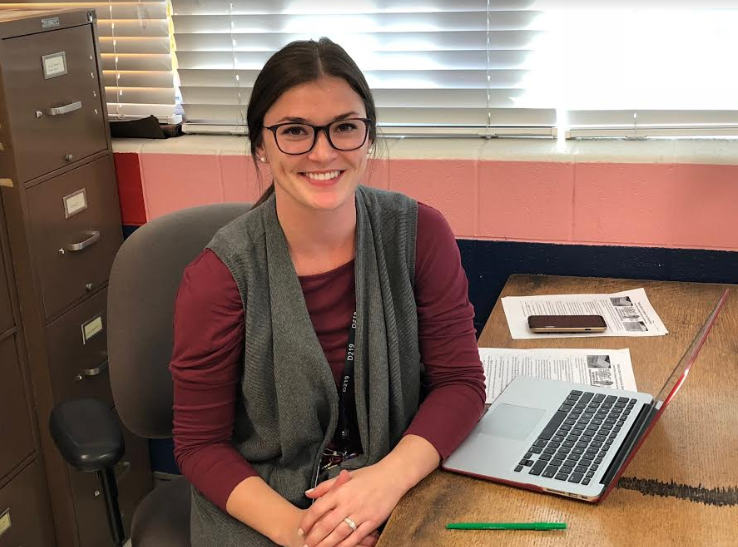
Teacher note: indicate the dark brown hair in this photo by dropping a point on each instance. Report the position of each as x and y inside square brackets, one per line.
[298, 63]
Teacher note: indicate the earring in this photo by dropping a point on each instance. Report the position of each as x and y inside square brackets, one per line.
[262, 159]
[371, 149]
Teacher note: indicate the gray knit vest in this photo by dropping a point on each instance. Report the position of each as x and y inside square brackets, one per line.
[287, 410]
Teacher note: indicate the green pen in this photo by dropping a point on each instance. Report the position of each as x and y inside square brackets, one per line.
[506, 526]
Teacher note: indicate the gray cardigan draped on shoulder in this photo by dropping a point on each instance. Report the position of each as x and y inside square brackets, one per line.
[287, 410]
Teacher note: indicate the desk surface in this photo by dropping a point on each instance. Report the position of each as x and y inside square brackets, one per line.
[682, 486]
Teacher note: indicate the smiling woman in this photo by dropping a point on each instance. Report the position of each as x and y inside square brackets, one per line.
[305, 330]
[309, 170]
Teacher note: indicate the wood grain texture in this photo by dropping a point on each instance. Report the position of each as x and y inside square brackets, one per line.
[682, 486]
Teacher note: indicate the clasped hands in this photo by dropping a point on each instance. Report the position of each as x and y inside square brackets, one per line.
[364, 498]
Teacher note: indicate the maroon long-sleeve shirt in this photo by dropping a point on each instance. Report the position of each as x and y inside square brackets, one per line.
[209, 339]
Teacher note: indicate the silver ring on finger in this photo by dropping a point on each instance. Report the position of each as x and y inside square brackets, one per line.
[351, 524]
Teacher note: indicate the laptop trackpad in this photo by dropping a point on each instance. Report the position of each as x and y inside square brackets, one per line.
[511, 422]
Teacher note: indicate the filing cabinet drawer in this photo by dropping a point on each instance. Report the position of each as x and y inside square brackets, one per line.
[134, 481]
[53, 99]
[25, 519]
[6, 313]
[16, 441]
[77, 348]
[76, 227]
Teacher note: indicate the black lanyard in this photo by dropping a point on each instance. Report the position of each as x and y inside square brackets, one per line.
[347, 381]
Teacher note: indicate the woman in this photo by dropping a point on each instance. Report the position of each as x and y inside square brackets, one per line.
[306, 330]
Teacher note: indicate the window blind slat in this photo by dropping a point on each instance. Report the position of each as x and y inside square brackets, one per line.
[368, 22]
[141, 95]
[503, 117]
[331, 6]
[113, 61]
[437, 98]
[432, 98]
[215, 114]
[138, 78]
[216, 78]
[385, 79]
[136, 110]
[651, 123]
[108, 44]
[152, 29]
[644, 118]
[215, 95]
[33, 4]
[447, 116]
[373, 62]
[197, 7]
[387, 41]
[131, 8]
[440, 79]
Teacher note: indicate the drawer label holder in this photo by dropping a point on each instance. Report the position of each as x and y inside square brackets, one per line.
[74, 203]
[5, 521]
[91, 328]
[55, 64]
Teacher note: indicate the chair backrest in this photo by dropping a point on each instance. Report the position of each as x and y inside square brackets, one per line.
[143, 285]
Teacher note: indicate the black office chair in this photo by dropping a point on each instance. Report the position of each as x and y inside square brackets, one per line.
[143, 285]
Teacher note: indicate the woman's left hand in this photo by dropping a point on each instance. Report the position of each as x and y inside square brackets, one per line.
[367, 500]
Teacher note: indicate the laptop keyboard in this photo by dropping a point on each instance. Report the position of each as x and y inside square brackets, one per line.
[576, 440]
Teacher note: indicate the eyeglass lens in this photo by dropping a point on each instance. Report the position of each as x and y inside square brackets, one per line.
[299, 138]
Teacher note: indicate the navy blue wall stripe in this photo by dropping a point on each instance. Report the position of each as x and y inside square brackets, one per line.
[128, 230]
[488, 264]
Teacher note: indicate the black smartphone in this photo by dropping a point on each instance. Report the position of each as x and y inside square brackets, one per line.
[566, 323]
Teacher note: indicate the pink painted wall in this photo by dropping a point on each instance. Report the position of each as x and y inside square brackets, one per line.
[660, 205]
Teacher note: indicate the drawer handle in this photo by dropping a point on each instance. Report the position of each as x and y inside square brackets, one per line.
[66, 109]
[74, 247]
[92, 372]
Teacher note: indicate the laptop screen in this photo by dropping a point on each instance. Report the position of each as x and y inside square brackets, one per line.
[679, 374]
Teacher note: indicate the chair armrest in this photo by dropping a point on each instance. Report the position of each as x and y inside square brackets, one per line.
[87, 434]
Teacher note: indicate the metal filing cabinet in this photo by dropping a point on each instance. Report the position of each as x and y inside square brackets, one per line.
[60, 203]
[25, 515]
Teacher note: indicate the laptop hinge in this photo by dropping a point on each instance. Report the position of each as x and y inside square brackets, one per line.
[645, 417]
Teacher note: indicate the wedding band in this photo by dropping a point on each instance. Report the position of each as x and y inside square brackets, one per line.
[351, 524]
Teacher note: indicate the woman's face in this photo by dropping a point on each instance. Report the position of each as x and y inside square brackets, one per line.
[324, 178]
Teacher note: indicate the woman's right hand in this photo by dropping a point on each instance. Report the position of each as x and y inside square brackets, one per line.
[297, 538]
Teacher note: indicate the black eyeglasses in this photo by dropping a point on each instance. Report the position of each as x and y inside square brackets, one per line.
[300, 138]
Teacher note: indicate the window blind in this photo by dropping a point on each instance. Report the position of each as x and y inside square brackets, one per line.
[436, 67]
[136, 55]
[650, 72]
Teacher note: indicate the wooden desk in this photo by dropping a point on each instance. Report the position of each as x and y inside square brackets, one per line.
[682, 486]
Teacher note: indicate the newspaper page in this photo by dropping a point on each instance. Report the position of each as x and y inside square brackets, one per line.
[627, 313]
[594, 367]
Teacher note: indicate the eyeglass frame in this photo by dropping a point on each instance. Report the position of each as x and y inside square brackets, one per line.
[317, 129]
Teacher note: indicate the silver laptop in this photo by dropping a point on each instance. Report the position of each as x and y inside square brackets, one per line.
[564, 438]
